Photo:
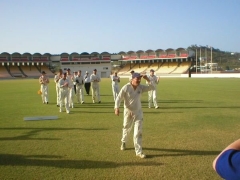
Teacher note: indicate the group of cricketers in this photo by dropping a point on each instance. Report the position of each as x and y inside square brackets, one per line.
[67, 84]
[70, 85]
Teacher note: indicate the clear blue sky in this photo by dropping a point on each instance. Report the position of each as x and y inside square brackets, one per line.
[57, 26]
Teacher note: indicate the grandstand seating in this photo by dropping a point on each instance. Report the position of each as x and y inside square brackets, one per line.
[44, 59]
[14, 70]
[46, 69]
[183, 55]
[85, 59]
[167, 68]
[3, 59]
[183, 67]
[151, 56]
[124, 70]
[64, 58]
[153, 66]
[4, 73]
[94, 58]
[30, 71]
[75, 59]
[163, 56]
[171, 55]
[142, 68]
[143, 57]
[16, 59]
[132, 57]
[36, 59]
[125, 57]
[24, 59]
[106, 58]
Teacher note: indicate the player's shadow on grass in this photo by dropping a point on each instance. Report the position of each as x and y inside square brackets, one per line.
[179, 152]
[180, 101]
[57, 162]
[31, 134]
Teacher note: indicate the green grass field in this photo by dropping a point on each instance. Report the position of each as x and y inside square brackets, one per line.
[196, 120]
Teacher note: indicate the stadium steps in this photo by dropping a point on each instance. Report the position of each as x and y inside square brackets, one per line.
[8, 70]
[20, 69]
[37, 68]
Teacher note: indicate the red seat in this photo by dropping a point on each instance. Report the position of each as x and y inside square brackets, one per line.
[44, 59]
[95, 58]
[64, 59]
[184, 55]
[163, 56]
[143, 57]
[16, 59]
[133, 57]
[152, 56]
[171, 55]
[75, 59]
[106, 58]
[3, 59]
[36, 59]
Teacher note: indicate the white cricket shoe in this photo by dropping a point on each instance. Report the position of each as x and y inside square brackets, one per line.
[123, 146]
[142, 156]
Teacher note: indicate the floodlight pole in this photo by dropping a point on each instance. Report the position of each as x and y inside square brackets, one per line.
[200, 61]
[196, 60]
[211, 59]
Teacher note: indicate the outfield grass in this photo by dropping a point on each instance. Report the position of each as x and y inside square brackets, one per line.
[196, 120]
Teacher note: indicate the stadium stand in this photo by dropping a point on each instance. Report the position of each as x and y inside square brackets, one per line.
[163, 56]
[151, 57]
[125, 69]
[142, 68]
[47, 70]
[153, 66]
[167, 68]
[15, 71]
[184, 55]
[64, 59]
[4, 73]
[94, 58]
[182, 68]
[30, 71]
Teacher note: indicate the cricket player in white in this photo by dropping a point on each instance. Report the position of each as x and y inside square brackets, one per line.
[133, 115]
[95, 79]
[115, 87]
[79, 87]
[64, 96]
[152, 95]
[70, 88]
[57, 77]
[74, 81]
[43, 80]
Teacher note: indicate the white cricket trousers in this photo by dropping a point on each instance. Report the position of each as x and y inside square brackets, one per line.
[79, 93]
[152, 97]
[64, 98]
[71, 96]
[95, 92]
[58, 94]
[115, 90]
[44, 90]
[133, 119]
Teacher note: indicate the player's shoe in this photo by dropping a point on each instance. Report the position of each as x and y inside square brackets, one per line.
[141, 155]
[93, 101]
[68, 112]
[156, 107]
[82, 102]
[123, 146]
